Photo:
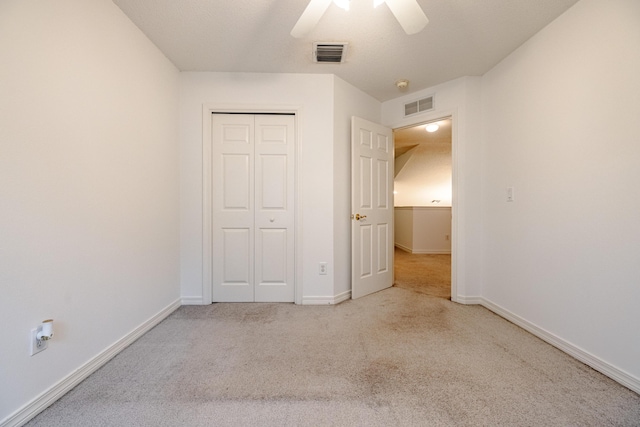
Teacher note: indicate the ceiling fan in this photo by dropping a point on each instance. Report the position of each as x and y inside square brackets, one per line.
[407, 12]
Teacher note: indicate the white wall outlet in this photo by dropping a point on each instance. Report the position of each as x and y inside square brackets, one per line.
[37, 345]
[509, 194]
[322, 268]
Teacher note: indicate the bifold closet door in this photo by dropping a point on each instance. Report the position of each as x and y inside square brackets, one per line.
[253, 211]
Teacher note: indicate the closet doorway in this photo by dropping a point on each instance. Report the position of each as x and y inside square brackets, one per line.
[253, 212]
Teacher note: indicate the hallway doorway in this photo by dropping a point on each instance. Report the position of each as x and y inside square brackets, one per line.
[423, 207]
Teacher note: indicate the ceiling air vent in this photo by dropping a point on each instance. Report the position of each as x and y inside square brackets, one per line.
[328, 52]
[424, 104]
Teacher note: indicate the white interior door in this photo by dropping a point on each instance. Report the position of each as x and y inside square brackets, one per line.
[372, 207]
[252, 208]
[274, 211]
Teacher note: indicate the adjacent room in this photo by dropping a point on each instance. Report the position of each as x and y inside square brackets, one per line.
[125, 121]
[422, 213]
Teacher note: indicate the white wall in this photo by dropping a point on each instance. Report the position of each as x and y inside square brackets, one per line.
[403, 228]
[423, 229]
[561, 127]
[88, 186]
[313, 95]
[348, 101]
[460, 99]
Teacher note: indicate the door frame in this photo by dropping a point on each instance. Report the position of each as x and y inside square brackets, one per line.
[207, 200]
[456, 196]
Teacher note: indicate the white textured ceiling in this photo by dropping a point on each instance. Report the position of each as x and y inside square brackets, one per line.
[463, 38]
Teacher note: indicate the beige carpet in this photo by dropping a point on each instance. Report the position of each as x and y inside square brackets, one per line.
[394, 358]
[424, 273]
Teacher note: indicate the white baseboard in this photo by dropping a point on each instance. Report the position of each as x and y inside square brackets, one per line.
[192, 300]
[336, 299]
[467, 300]
[403, 247]
[55, 392]
[574, 351]
[422, 251]
[328, 300]
[342, 297]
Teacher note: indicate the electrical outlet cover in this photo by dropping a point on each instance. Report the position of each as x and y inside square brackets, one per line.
[323, 268]
[37, 346]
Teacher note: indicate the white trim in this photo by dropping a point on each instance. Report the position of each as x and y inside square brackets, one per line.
[420, 252]
[55, 392]
[207, 214]
[475, 300]
[298, 208]
[336, 299]
[403, 247]
[457, 200]
[342, 297]
[574, 351]
[420, 208]
[192, 301]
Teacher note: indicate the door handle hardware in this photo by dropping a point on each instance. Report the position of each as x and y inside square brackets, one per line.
[358, 217]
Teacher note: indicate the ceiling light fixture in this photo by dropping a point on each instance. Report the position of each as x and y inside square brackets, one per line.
[432, 127]
[343, 4]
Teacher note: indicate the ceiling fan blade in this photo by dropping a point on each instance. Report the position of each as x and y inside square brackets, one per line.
[409, 15]
[310, 17]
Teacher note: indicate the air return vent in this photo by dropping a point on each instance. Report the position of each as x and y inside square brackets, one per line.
[424, 104]
[329, 52]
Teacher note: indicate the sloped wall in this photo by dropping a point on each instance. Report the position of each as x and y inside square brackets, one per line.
[425, 176]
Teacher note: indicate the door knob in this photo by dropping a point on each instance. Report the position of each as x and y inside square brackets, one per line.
[358, 217]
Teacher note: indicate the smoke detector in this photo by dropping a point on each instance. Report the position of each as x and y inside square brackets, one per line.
[402, 84]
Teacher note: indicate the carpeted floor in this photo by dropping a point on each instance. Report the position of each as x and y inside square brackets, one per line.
[394, 358]
[424, 273]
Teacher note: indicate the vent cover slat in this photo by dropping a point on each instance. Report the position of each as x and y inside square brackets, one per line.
[424, 104]
[411, 108]
[329, 52]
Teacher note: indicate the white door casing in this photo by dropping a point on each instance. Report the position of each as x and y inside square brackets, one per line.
[252, 207]
[372, 207]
